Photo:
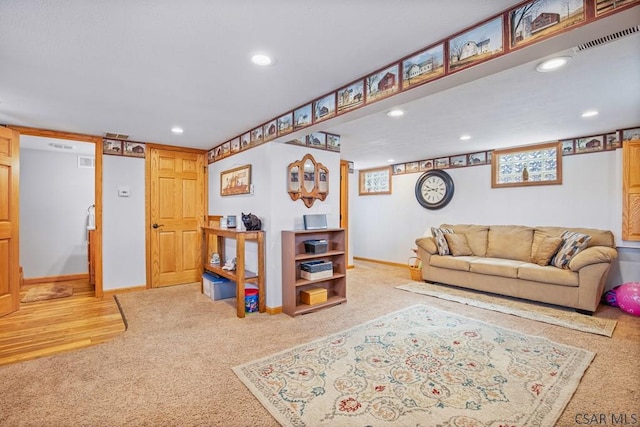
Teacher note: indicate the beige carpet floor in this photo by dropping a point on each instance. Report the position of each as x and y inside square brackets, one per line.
[173, 365]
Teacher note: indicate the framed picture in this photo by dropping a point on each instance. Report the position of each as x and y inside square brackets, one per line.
[612, 141]
[383, 84]
[270, 130]
[134, 149]
[476, 45]
[589, 144]
[412, 167]
[324, 108]
[217, 153]
[333, 142]
[235, 181]
[245, 141]
[630, 134]
[235, 145]
[375, 181]
[606, 6]
[398, 169]
[285, 124]
[211, 156]
[523, 166]
[351, 96]
[459, 161]
[426, 165]
[477, 158]
[423, 66]
[301, 140]
[112, 146]
[441, 163]
[317, 140]
[302, 117]
[256, 136]
[537, 19]
[567, 147]
[226, 149]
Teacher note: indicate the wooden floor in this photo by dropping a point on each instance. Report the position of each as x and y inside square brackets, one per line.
[48, 327]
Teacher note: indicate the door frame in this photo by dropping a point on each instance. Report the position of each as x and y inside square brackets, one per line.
[97, 141]
[344, 206]
[147, 196]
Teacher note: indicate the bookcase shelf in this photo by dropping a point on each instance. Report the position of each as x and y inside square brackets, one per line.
[294, 254]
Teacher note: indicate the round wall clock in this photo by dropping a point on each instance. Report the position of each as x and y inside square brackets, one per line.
[434, 189]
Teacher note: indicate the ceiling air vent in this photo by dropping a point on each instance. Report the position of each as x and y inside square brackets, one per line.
[86, 162]
[606, 39]
[112, 135]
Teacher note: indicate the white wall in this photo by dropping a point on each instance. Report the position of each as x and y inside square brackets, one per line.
[271, 202]
[54, 197]
[123, 223]
[590, 196]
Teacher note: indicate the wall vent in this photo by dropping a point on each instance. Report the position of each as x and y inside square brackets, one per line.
[86, 162]
[606, 39]
[112, 135]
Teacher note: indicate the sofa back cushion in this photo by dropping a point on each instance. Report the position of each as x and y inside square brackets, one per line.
[510, 242]
[598, 237]
[476, 236]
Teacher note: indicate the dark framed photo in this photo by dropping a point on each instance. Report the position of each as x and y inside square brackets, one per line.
[333, 142]
[538, 19]
[285, 124]
[325, 107]
[245, 141]
[134, 149]
[256, 136]
[589, 144]
[317, 140]
[351, 96]
[270, 130]
[302, 117]
[112, 146]
[476, 45]
[383, 84]
[235, 181]
[423, 67]
[568, 147]
[477, 158]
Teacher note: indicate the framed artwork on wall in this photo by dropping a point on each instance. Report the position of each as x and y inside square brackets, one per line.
[476, 45]
[523, 166]
[375, 181]
[423, 67]
[351, 96]
[235, 181]
[383, 83]
[134, 149]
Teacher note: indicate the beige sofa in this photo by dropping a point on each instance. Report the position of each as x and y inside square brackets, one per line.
[501, 262]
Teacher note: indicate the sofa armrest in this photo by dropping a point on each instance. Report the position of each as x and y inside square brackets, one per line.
[593, 255]
[428, 244]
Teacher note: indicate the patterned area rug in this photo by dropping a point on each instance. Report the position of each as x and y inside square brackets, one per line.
[419, 367]
[546, 313]
[45, 292]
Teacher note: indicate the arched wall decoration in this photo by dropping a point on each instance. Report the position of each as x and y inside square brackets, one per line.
[307, 180]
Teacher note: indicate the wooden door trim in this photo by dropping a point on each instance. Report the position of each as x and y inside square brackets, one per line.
[344, 206]
[97, 141]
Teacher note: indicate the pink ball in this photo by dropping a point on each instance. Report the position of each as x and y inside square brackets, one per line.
[628, 298]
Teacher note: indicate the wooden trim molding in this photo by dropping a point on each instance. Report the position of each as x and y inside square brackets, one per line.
[378, 261]
[274, 310]
[109, 293]
[51, 279]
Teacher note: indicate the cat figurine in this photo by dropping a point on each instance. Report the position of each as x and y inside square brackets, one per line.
[251, 222]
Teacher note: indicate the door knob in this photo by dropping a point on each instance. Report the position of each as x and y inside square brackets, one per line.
[157, 225]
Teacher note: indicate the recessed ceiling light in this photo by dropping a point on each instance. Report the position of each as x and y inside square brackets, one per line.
[177, 130]
[396, 112]
[261, 59]
[465, 137]
[553, 64]
[390, 160]
[589, 113]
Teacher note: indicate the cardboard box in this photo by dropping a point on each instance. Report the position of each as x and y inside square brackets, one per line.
[217, 288]
[313, 296]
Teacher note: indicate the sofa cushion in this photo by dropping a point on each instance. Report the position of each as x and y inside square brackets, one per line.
[452, 263]
[476, 236]
[495, 267]
[546, 250]
[548, 274]
[572, 244]
[598, 237]
[458, 245]
[441, 242]
[510, 242]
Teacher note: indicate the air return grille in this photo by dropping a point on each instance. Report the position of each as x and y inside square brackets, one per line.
[606, 39]
[86, 162]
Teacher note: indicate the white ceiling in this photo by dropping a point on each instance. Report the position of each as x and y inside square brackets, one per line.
[140, 67]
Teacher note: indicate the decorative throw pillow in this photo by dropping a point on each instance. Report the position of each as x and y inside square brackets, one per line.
[441, 242]
[546, 250]
[458, 245]
[572, 244]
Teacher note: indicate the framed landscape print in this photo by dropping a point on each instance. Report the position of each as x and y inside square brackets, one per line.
[226, 149]
[522, 166]
[317, 140]
[423, 66]
[235, 145]
[211, 156]
[398, 169]
[412, 167]
[324, 107]
[270, 130]
[567, 147]
[630, 134]
[285, 124]
[383, 83]
[350, 97]
[459, 161]
[256, 136]
[476, 45]
[375, 181]
[245, 141]
[302, 117]
[112, 146]
[612, 141]
[333, 142]
[540, 19]
[477, 158]
[588, 144]
[441, 163]
[426, 165]
[235, 181]
[606, 6]
[134, 149]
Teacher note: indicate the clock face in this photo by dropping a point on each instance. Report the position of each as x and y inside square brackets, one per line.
[434, 189]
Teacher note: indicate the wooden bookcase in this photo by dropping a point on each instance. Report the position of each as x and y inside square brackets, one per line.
[239, 275]
[293, 254]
